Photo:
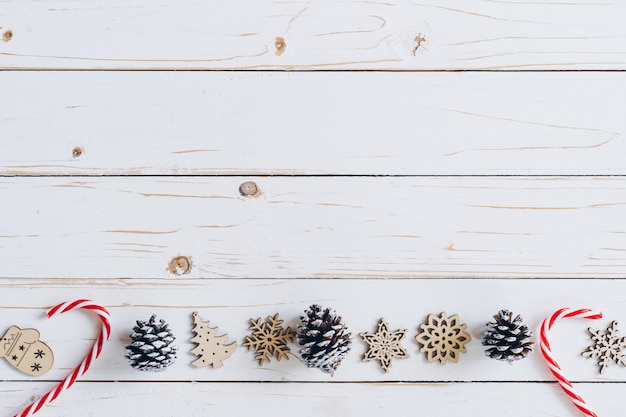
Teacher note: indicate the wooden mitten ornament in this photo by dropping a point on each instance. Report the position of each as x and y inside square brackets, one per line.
[211, 348]
[25, 352]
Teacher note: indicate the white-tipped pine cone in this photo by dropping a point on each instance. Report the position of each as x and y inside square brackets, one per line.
[324, 338]
[507, 338]
[152, 348]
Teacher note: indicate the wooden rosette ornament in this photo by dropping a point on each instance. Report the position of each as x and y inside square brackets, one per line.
[443, 338]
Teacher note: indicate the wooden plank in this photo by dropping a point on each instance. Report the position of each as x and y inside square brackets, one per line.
[58, 123]
[313, 227]
[399, 34]
[195, 400]
[230, 304]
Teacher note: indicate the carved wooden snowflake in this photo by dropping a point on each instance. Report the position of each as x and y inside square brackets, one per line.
[607, 347]
[268, 339]
[384, 345]
[442, 338]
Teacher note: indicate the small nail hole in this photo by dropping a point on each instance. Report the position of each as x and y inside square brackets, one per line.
[7, 35]
[249, 189]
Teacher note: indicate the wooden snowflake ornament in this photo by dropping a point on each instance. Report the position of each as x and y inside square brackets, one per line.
[211, 349]
[443, 338]
[384, 345]
[268, 339]
[607, 347]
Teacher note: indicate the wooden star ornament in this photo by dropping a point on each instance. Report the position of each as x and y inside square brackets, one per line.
[384, 345]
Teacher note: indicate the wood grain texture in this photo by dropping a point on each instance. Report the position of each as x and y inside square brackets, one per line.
[313, 227]
[142, 34]
[77, 123]
[265, 400]
[370, 192]
[230, 304]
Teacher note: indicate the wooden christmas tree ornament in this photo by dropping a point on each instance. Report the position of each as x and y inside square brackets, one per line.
[25, 352]
[211, 349]
[443, 338]
[384, 345]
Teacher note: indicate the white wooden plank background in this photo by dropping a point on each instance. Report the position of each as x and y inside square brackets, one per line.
[384, 193]
[312, 123]
[200, 399]
[419, 227]
[194, 34]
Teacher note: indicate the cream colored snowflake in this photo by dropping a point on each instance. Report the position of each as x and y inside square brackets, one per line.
[607, 347]
[442, 338]
[384, 345]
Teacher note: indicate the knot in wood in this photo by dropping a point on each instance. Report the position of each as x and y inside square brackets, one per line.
[280, 46]
[7, 35]
[180, 265]
[249, 189]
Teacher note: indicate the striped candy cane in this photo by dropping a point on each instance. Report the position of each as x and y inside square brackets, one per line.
[105, 331]
[553, 365]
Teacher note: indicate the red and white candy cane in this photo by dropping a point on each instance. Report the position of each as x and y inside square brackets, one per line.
[105, 331]
[547, 324]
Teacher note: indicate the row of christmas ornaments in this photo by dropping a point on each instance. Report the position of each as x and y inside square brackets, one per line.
[324, 341]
